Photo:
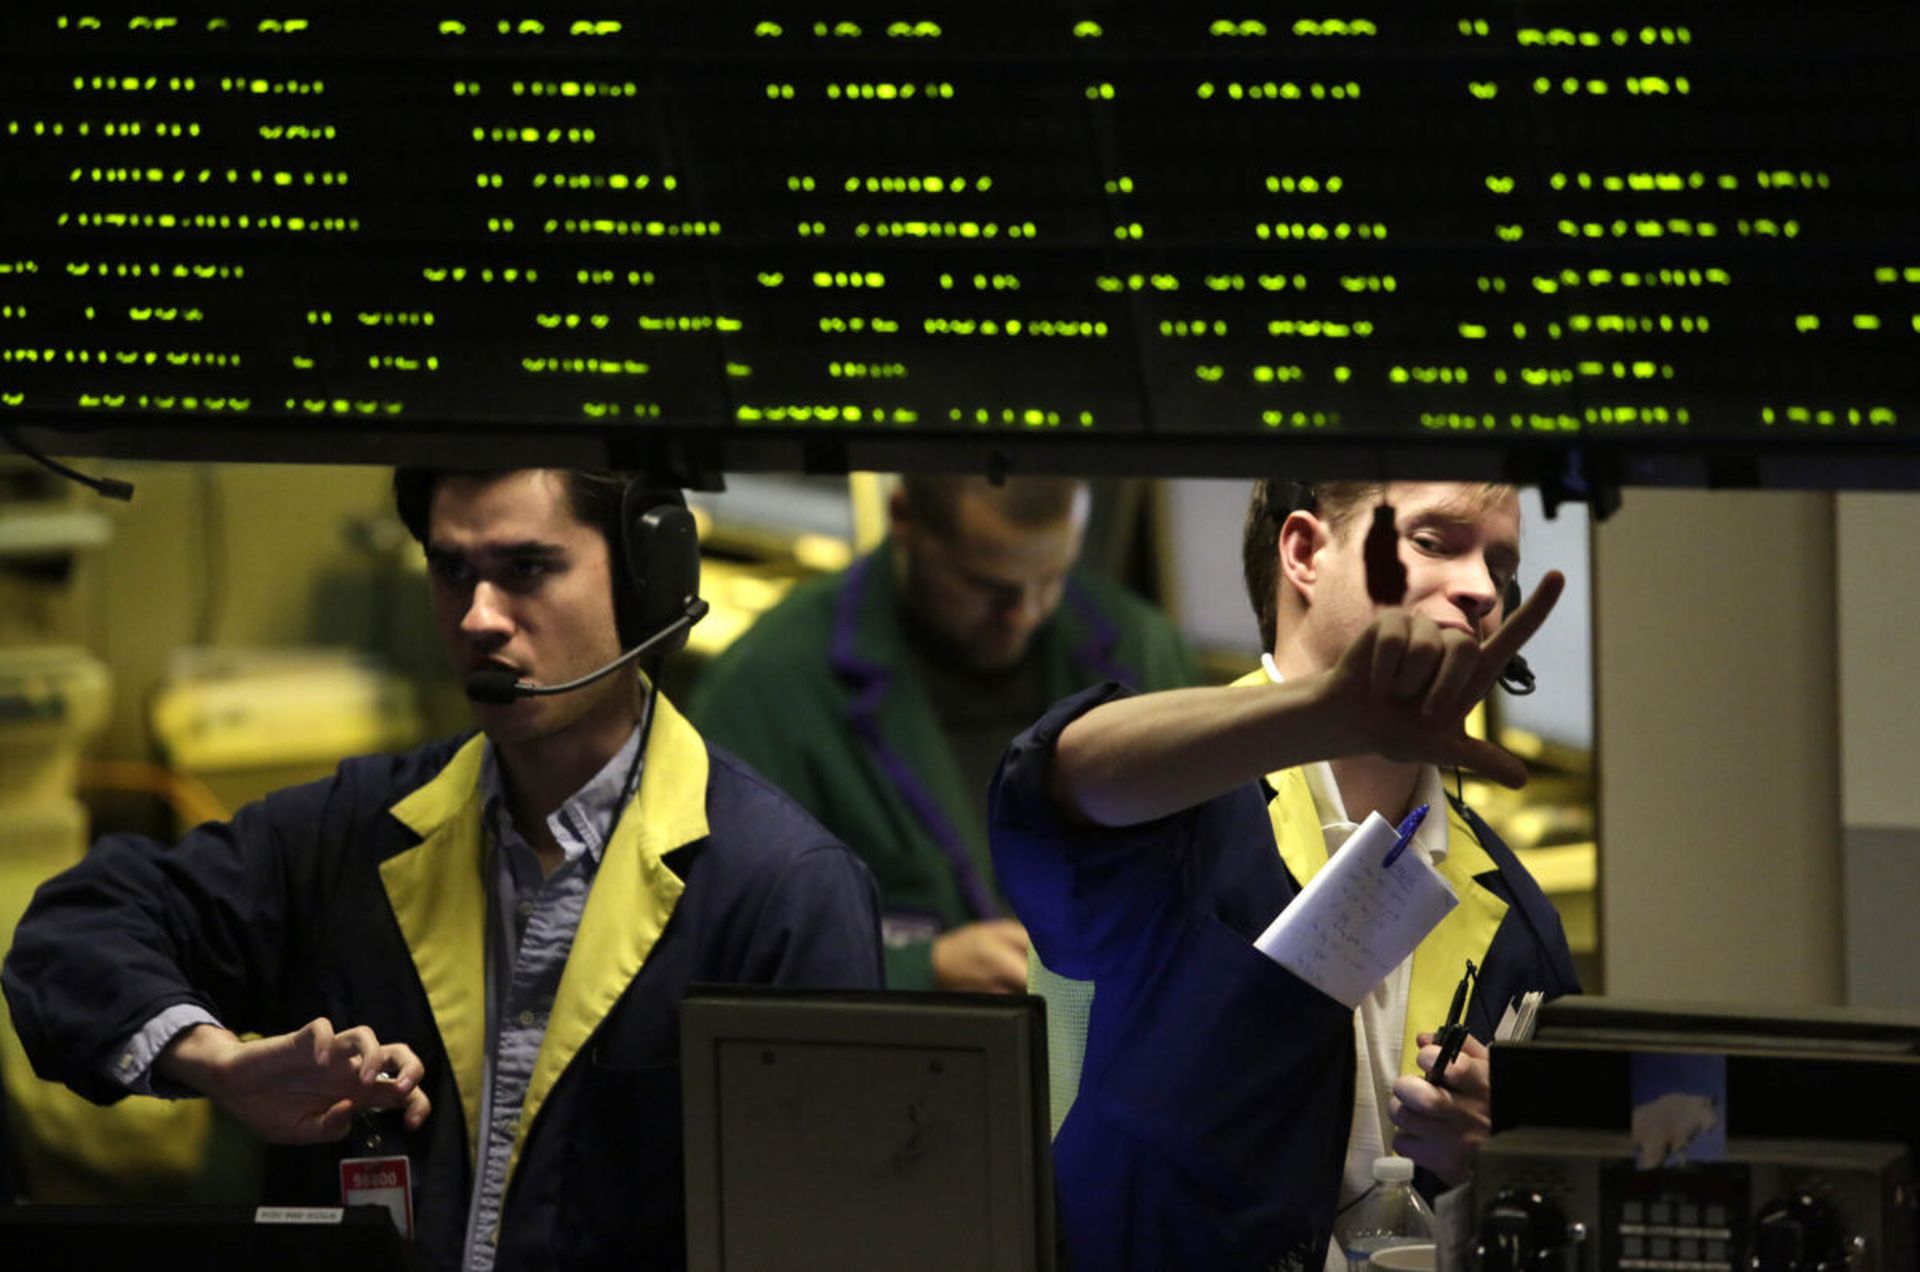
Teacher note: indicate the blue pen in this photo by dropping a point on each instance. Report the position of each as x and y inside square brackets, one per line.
[1407, 827]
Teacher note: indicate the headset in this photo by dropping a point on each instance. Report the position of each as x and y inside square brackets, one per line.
[1287, 497]
[655, 566]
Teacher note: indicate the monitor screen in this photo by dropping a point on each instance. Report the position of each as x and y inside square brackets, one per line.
[1790, 1073]
[1674, 238]
[865, 1130]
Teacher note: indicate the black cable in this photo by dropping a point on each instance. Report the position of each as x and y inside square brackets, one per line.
[109, 487]
[1372, 1188]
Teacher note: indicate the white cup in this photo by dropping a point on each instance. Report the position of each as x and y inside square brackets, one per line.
[1406, 1258]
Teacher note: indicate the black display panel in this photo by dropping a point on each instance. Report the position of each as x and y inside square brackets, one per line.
[1675, 241]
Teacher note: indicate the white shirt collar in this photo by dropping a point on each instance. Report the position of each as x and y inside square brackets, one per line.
[582, 825]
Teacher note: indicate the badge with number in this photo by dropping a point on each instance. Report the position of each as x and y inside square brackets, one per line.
[380, 1181]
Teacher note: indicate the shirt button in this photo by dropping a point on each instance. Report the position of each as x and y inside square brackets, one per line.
[526, 1019]
[525, 909]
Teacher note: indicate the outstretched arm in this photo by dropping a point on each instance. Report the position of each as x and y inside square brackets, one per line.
[1402, 690]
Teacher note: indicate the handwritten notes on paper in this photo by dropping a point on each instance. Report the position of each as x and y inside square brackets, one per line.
[1355, 921]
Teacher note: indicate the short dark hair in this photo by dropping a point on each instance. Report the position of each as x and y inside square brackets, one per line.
[1272, 501]
[594, 496]
[1029, 502]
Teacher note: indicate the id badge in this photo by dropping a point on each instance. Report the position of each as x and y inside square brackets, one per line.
[380, 1181]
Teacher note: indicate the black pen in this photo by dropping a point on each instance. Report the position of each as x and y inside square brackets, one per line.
[1453, 1035]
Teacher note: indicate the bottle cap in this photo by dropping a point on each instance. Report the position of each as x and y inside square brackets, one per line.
[1392, 1170]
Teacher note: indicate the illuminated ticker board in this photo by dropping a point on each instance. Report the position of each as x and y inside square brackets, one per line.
[1682, 239]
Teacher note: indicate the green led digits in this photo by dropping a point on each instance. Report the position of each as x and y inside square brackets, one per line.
[1182, 329]
[1618, 37]
[1319, 328]
[1650, 228]
[683, 323]
[209, 221]
[867, 370]
[1278, 91]
[635, 181]
[1829, 417]
[928, 184]
[799, 413]
[584, 366]
[1035, 328]
[266, 87]
[1566, 279]
[572, 88]
[1159, 282]
[1428, 374]
[203, 176]
[609, 226]
[1320, 231]
[888, 91]
[1637, 324]
[488, 274]
[856, 279]
[134, 84]
[531, 136]
[615, 410]
[1307, 28]
[939, 229]
[1305, 183]
[843, 326]
[1297, 419]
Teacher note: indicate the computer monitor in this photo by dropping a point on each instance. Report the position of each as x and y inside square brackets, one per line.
[856, 1130]
[1791, 1073]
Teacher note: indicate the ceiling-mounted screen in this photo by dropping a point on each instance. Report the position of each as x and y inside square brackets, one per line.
[1657, 233]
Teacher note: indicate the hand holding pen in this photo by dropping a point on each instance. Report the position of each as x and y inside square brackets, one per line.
[1453, 1035]
[1444, 1115]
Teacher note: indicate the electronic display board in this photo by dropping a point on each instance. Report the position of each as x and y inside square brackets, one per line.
[1681, 239]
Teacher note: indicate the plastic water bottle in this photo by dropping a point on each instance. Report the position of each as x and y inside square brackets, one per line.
[1391, 1215]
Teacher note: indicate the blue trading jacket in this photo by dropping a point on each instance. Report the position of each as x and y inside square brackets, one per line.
[1215, 1096]
[362, 899]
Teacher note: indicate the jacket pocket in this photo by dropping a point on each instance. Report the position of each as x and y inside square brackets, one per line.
[623, 1202]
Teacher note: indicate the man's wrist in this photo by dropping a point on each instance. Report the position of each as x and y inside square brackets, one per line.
[1313, 711]
[196, 1056]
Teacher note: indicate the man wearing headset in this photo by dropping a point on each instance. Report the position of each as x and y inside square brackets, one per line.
[1226, 1108]
[469, 957]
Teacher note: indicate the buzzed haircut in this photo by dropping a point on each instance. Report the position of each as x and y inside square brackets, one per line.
[1030, 502]
[1335, 502]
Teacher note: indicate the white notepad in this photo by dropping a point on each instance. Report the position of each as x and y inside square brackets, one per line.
[1356, 920]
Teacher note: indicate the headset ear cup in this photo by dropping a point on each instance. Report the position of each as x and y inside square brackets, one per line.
[662, 551]
[1516, 677]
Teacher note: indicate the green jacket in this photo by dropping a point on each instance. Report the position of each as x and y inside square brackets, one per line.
[820, 696]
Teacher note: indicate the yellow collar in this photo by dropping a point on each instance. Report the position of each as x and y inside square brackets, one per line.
[1466, 932]
[439, 896]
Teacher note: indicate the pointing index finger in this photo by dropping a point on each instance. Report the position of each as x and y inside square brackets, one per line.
[1519, 628]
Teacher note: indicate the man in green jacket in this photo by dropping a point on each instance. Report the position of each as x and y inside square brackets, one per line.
[881, 698]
